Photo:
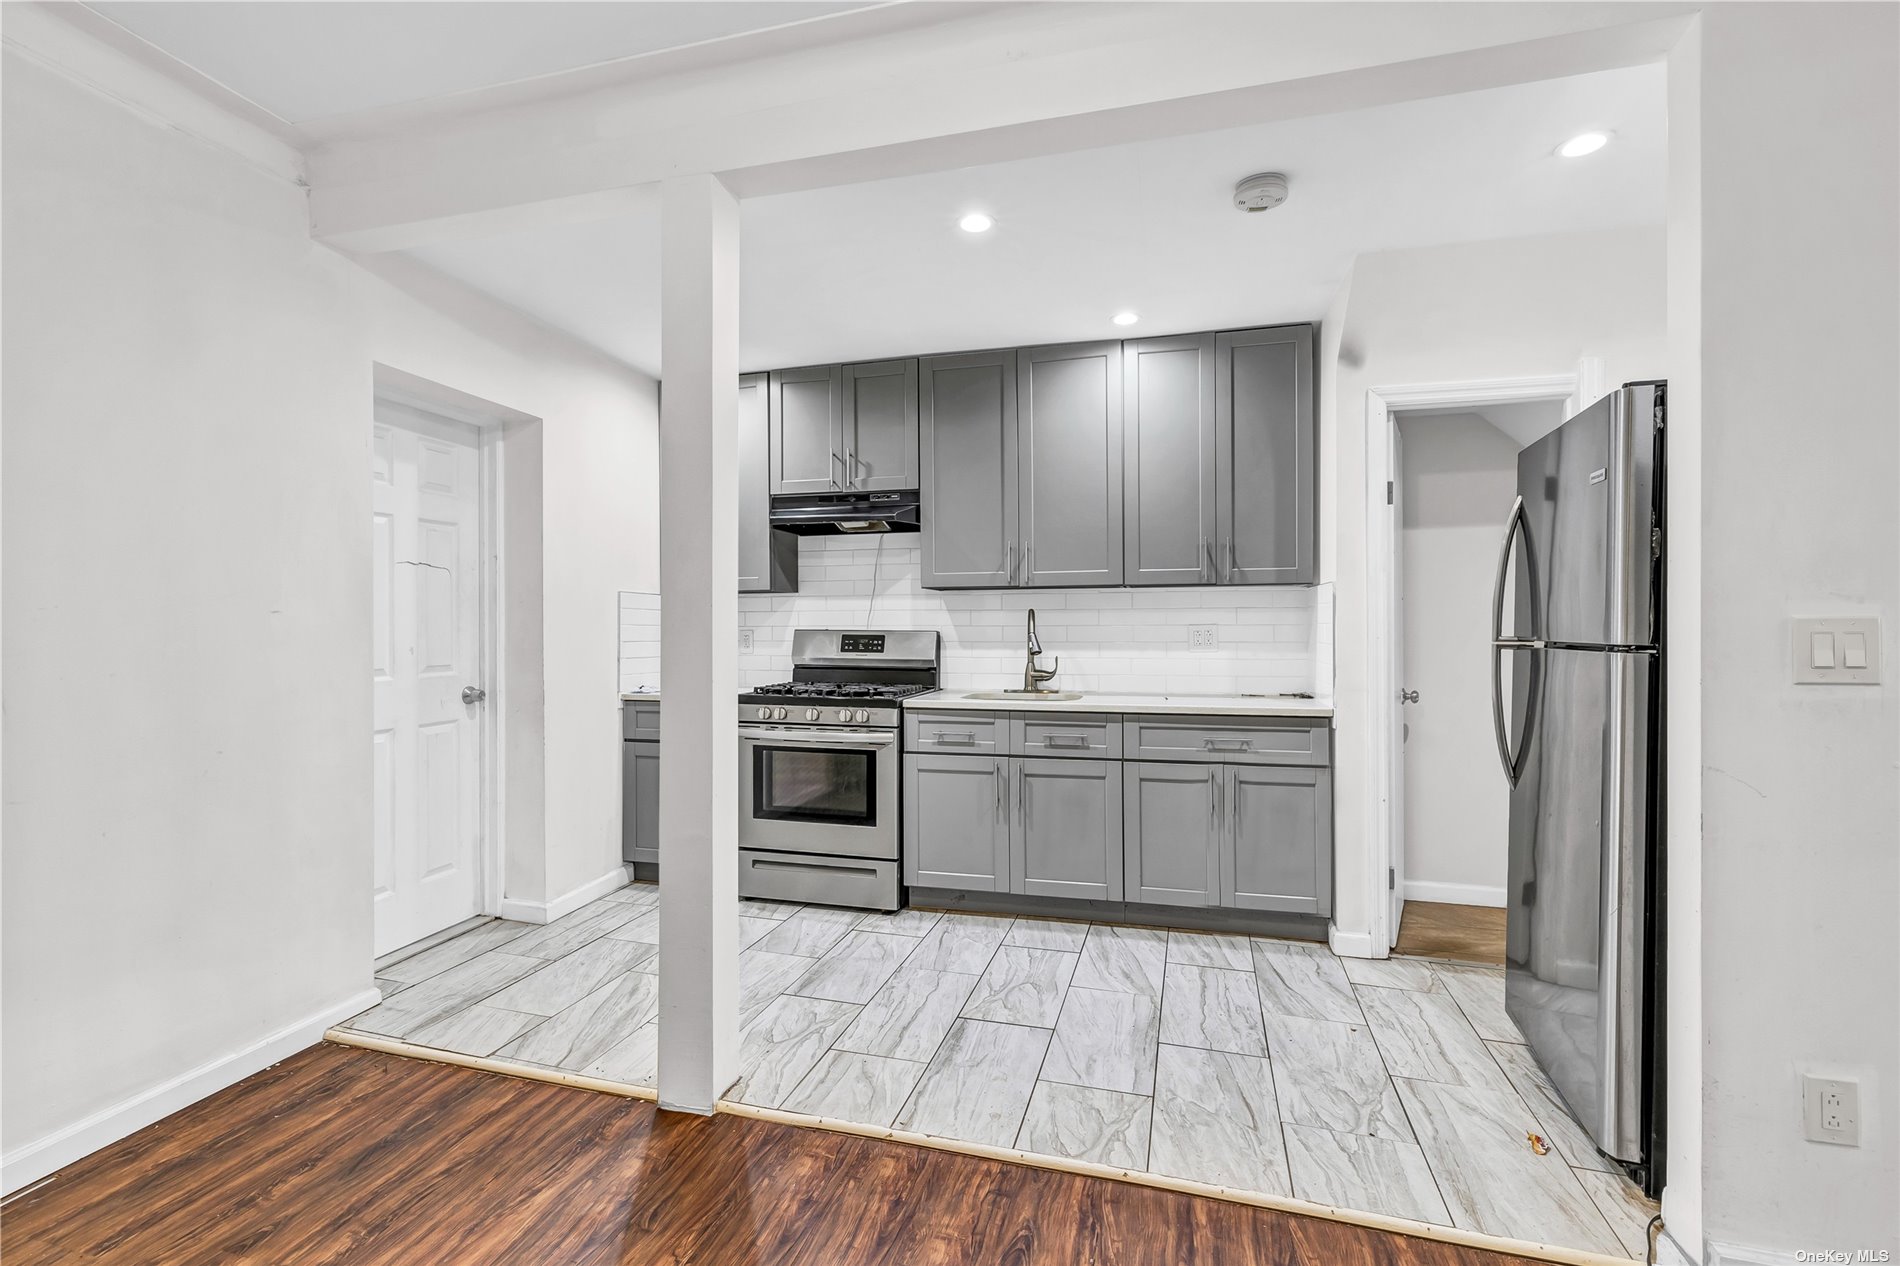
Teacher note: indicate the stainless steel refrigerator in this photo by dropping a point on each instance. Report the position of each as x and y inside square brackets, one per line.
[1577, 663]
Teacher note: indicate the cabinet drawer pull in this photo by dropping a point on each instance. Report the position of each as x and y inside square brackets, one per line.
[1228, 744]
[957, 738]
[1066, 741]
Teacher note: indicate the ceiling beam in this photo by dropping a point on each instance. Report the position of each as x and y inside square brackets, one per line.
[996, 85]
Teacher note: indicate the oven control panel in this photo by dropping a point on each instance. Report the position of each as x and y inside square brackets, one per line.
[861, 643]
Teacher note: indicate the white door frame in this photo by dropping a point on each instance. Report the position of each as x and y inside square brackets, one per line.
[1382, 632]
[406, 391]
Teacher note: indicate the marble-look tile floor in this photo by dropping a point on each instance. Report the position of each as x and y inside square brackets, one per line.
[1396, 1086]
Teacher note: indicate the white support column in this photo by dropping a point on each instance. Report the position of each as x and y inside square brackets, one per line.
[699, 566]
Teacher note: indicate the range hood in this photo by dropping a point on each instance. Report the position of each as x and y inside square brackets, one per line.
[827, 512]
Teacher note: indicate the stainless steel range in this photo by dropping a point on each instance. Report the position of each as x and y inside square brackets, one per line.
[819, 762]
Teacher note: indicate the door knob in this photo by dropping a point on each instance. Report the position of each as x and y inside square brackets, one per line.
[473, 694]
[1408, 696]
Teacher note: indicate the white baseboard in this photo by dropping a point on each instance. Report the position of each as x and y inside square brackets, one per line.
[1454, 894]
[1350, 944]
[568, 902]
[33, 1161]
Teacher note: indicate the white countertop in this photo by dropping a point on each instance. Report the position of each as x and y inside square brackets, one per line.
[640, 696]
[1160, 704]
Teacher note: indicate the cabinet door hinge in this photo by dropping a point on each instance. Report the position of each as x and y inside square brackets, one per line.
[1388, 492]
[1391, 878]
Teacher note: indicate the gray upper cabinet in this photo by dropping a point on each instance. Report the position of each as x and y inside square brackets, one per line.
[1277, 853]
[1069, 408]
[807, 410]
[956, 822]
[880, 426]
[768, 560]
[1066, 837]
[1169, 460]
[967, 484]
[1267, 460]
[1171, 821]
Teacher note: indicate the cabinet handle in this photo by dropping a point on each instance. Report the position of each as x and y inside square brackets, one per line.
[836, 460]
[1009, 562]
[948, 738]
[1228, 579]
[1070, 742]
[1207, 561]
[1022, 791]
[1213, 799]
[1228, 744]
[1029, 573]
[1000, 779]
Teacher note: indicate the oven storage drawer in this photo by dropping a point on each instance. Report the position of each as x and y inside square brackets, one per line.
[838, 881]
[640, 721]
[1039, 734]
[976, 733]
[1254, 741]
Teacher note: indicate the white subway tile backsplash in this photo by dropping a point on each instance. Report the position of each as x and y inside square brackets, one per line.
[1272, 640]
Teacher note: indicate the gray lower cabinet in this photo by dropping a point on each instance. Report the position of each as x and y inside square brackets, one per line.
[1268, 466]
[1209, 824]
[956, 823]
[1277, 846]
[1171, 832]
[1066, 831]
[880, 426]
[640, 802]
[768, 559]
[1169, 461]
[967, 481]
[1069, 435]
[807, 419]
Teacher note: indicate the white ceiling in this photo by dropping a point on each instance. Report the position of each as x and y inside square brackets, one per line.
[1524, 422]
[864, 271]
[310, 59]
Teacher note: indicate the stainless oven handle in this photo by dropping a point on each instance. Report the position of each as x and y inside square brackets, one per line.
[818, 738]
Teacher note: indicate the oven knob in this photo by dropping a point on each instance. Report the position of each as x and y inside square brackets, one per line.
[778, 714]
[844, 714]
[765, 714]
[811, 714]
[863, 716]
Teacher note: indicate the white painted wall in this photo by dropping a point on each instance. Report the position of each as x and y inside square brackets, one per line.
[186, 607]
[1794, 399]
[1515, 308]
[1458, 474]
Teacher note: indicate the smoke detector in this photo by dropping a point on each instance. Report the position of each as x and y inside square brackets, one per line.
[1262, 192]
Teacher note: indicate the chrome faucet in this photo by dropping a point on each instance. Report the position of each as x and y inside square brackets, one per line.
[1033, 677]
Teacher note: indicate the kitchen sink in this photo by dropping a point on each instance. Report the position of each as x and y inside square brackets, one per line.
[1044, 696]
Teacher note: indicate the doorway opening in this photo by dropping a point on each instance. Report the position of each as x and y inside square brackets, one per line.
[433, 666]
[1441, 474]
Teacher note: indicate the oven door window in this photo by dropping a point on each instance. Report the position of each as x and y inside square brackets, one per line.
[803, 784]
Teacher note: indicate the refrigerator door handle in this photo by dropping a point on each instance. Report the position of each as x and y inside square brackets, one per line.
[1513, 761]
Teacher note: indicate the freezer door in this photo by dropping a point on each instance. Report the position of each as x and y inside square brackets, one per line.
[1588, 513]
[1579, 842]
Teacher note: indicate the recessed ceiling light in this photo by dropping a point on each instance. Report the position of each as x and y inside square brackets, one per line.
[1588, 143]
[975, 222]
[1126, 318]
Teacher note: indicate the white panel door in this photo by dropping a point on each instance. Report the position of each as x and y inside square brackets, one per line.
[426, 477]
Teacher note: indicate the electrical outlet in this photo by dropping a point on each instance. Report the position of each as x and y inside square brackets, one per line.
[1831, 1110]
[1203, 637]
[745, 641]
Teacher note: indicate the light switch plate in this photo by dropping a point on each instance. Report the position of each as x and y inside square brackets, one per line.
[1824, 649]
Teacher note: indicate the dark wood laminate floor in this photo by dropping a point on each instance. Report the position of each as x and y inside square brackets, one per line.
[1470, 934]
[348, 1156]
